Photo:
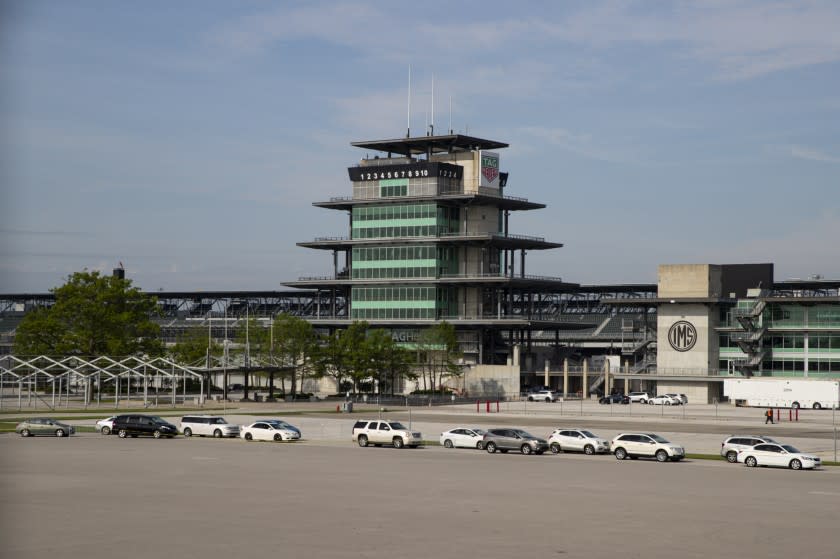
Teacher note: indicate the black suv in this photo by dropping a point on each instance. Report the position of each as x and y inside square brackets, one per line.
[134, 425]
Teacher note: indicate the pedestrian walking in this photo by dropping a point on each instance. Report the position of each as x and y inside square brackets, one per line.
[769, 415]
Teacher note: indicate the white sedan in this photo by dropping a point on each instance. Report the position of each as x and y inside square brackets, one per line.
[463, 437]
[104, 426]
[777, 455]
[262, 431]
[664, 399]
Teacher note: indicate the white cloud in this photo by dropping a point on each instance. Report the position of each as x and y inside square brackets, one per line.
[803, 152]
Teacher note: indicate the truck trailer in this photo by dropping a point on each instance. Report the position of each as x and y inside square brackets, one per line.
[783, 392]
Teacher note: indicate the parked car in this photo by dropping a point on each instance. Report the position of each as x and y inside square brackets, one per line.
[380, 431]
[778, 455]
[681, 397]
[208, 426]
[649, 445]
[136, 425]
[614, 399]
[43, 426]
[543, 396]
[664, 399]
[265, 431]
[641, 397]
[463, 437]
[577, 440]
[105, 426]
[283, 425]
[513, 439]
[730, 447]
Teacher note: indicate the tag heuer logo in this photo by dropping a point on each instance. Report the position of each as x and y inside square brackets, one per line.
[682, 335]
[490, 167]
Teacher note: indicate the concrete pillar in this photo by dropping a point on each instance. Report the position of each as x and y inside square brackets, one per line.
[545, 376]
[565, 377]
[626, 386]
[585, 389]
[606, 377]
[516, 356]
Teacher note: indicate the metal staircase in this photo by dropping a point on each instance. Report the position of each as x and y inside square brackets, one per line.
[749, 340]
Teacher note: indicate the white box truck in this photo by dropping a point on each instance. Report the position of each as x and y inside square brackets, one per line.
[783, 392]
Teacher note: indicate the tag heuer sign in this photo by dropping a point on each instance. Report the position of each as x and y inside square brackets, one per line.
[489, 168]
[682, 335]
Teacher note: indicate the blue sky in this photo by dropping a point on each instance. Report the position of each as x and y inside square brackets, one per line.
[189, 139]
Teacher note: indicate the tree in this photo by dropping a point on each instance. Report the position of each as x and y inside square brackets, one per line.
[338, 349]
[295, 345]
[194, 347]
[387, 359]
[92, 315]
[438, 353]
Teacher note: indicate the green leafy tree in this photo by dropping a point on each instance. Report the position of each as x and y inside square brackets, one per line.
[296, 347]
[93, 315]
[338, 352]
[388, 360]
[438, 354]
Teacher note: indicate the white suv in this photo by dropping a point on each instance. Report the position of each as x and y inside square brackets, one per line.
[634, 445]
[208, 425]
[730, 447]
[641, 397]
[542, 396]
[379, 432]
[577, 440]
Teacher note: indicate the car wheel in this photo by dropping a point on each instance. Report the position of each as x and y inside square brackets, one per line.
[817, 406]
[278, 437]
[398, 442]
[589, 449]
[122, 433]
[525, 449]
[795, 405]
[59, 432]
[751, 462]
[620, 453]
[188, 432]
[25, 433]
[731, 456]
[795, 464]
[661, 456]
[362, 440]
[548, 400]
[479, 445]
[249, 437]
[491, 447]
[105, 430]
[156, 434]
[667, 403]
[530, 398]
[447, 443]
[555, 448]
[650, 402]
[217, 433]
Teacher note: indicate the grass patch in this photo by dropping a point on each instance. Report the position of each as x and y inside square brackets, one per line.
[704, 456]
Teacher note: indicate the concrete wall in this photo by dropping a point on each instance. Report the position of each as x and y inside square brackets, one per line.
[697, 393]
[686, 280]
[496, 380]
[703, 355]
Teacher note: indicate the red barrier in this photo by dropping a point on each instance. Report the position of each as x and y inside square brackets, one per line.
[790, 415]
[477, 408]
[488, 406]
[797, 414]
[778, 415]
[497, 406]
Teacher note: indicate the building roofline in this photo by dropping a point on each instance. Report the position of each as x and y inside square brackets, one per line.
[418, 145]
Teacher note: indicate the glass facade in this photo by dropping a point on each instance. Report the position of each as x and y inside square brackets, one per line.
[420, 302]
[420, 186]
[427, 261]
[403, 220]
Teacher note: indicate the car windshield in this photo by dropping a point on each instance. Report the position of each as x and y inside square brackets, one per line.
[658, 439]
[790, 448]
[588, 435]
[524, 434]
[219, 421]
[396, 425]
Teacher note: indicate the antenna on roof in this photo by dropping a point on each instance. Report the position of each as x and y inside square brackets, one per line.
[408, 120]
[432, 129]
[450, 114]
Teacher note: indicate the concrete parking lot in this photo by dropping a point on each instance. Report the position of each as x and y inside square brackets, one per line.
[103, 497]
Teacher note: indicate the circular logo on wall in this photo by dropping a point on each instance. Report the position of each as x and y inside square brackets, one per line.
[682, 335]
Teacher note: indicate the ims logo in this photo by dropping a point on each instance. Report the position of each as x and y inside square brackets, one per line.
[682, 335]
